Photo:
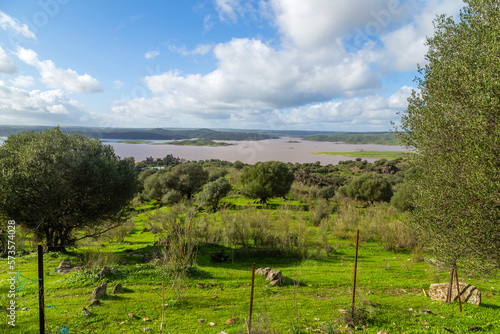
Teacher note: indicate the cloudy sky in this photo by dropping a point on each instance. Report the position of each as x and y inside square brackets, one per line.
[334, 65]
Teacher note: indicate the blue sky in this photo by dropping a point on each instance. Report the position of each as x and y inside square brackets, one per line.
[332, 65]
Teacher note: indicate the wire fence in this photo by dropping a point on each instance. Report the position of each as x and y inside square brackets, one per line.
[139, 255]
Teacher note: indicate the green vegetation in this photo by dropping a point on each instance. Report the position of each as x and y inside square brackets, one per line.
[135, 141]
[265, 180]
[453, 121]
[195, 142]
[381, 138]
[55, 184]
[367, 154]
[195, 256]
[368, 188]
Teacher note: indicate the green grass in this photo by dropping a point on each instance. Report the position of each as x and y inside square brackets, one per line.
[194, 142]
[388, 285]
[368, 154]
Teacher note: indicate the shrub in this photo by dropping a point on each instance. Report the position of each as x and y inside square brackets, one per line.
[369, 188]
[326, 192]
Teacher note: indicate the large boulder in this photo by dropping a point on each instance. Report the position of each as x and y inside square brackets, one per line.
[468, 293]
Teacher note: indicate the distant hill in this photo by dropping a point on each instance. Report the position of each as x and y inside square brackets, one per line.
[149, 134]
[382, 138]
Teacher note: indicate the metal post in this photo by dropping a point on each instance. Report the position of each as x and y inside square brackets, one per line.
[450, 286]
[251, 300]
[41, 303]
[458, 290]
[354, 281]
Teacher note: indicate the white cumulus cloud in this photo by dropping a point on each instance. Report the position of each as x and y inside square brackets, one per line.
[151, 54]
[23, 81]
[51, 107]
[6, 63]
[9, 23]
[58, 78]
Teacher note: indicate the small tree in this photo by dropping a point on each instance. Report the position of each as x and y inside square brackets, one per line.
[53, 184]
[192, 177]
[213, 192]
[267, 179]
[170, 185]
[369, 188]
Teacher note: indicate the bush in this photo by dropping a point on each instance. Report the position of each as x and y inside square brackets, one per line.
[326, 192]
[322, 210]
[369, 188]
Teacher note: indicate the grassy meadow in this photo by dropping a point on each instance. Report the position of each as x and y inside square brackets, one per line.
[310, 239]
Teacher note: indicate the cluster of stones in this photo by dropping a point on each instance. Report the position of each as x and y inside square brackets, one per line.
[275, 277]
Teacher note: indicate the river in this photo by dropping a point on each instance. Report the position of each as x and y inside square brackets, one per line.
[285, 149]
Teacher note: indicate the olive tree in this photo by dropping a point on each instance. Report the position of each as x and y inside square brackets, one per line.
[172, 184]
[55, 184]
[213, 192]
[453, 123]
[265, 180]
[368, 188]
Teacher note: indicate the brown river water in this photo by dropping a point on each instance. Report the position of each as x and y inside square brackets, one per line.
[251, 151]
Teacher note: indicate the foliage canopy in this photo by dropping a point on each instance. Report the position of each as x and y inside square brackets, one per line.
[265, 180]
[369, 188]
[53, 183]
[453, 122]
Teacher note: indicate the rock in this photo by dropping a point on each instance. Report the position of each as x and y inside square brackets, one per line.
[26, 308]
[468, 293]
[85, 311]
[262, 271]
[211, 324]
[276, 282]
[100, 291]
[231, 321]
[131, 315]
[146, 319]
[117, 289]
[274, 275]
[64, 267]
[201, 320]
[381, 332]
[95, 302]
[104, 272]
[426, 311]
[65, 264]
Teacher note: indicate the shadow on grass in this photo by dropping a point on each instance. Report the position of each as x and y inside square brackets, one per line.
[490, 306]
